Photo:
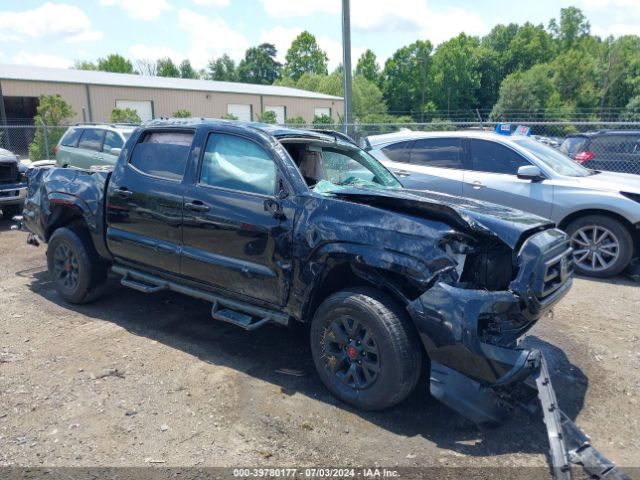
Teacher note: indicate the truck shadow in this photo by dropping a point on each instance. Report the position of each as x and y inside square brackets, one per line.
[184, 323]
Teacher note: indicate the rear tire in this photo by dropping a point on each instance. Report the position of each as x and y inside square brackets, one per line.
[74, 265]
[365, 348]
[602, 246]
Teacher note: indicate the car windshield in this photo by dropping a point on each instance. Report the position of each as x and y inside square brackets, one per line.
[327, 169]
[556, 161]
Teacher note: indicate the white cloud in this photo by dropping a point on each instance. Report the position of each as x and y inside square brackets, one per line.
[41, 60]
[383, 16]
[210, 37]
[616, 29]
[152, 52]
[212, 3]
[50, 21]
[299, 8]
[140, 9]
[281, 37]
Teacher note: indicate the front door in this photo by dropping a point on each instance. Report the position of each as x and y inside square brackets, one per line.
[493, 178]
[236, 234]
[144, 201]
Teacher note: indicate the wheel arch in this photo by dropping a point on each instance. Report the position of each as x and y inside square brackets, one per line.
[339, 275]
[566, 221]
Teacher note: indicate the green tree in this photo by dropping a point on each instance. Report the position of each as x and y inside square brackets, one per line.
[632, 110]
[531, 45]
[525, 95]
[576, 78]
[115, 63]
[404, 78]
[166, 68]
[367, 98]
[323, 121]
[296, 121]
[620, 71]
[500, 37]
[268, 116]
[573, 27]
[368, 67]
[305, 56]
[187, 71]
[125, 115]
[222, 69]
[84, 65]
[181, 114]
[455, 73]
[260, 65]
[52, 111]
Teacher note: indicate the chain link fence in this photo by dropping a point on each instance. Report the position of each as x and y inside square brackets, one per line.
[611, 146]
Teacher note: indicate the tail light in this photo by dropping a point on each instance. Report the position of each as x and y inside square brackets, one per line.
[584, 156]
[56, 148]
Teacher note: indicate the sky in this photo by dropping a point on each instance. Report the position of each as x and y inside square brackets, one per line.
[58, 32]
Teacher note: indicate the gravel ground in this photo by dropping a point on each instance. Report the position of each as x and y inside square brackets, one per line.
[135, 380]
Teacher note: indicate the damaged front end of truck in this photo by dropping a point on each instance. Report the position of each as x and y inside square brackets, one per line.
[492, 277]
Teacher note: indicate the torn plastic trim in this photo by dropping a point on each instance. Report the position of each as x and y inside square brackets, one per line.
[568, 444]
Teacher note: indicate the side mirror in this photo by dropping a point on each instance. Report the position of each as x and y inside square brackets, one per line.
[115, 151]
[530, 172]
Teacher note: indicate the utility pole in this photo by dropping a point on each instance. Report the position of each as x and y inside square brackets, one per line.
[346, 63]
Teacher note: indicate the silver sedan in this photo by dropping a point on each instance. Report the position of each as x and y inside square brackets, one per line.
[599, 210]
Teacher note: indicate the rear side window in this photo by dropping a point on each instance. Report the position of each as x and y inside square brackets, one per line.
[71, 137]
[91, 139]
[162, 154]
[611, 144]
[237, 163]
[397, 152]
[111, 140]
[491, 157]
[438, 152]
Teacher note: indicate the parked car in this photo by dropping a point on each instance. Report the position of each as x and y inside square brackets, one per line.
[13, 184]
[280, 225]
[615, 151]
[599, 210]
[87, 145]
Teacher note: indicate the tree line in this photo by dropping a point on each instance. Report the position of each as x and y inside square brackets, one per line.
[515, 72]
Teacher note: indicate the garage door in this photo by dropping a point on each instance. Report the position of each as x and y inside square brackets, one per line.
[143, 107]
[279, 111]
[242, 112]
[319, 111]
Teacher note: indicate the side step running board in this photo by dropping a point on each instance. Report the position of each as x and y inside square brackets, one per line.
[142, 287]
[568, 443]
[239, 319]
[238, 313]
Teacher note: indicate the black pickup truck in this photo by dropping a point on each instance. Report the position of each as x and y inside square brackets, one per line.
[278, 225]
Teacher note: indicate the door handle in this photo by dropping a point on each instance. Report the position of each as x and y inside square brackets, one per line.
[123, 192]
[477, 185]
[197, 206]
[402, 173]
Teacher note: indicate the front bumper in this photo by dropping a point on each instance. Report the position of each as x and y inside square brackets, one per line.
[13, 193]
[472, 337]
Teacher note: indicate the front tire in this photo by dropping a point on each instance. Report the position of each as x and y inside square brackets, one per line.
[365, 349]
[602, 246]
[74, 265]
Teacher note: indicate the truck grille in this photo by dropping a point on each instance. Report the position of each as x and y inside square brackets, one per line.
[8, 173]
[556, 272]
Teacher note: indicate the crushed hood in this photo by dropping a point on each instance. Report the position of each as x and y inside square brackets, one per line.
[508, 224]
